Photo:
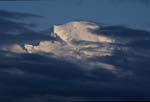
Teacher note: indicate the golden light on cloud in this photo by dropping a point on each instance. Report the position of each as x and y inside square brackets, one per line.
[79, 31]
[68, 50]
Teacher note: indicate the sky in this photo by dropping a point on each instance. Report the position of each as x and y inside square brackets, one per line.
[84, 60]
[123, 12]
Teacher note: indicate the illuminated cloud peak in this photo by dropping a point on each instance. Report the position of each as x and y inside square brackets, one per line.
[79, 30]
[76, 44]
[71, 35]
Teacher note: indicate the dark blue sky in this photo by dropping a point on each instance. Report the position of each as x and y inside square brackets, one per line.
[133, 13]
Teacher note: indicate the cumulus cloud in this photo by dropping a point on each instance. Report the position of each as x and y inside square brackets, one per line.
[75, 53]
[70, 33]
[75, 45]
[79, 31]
[44, 46]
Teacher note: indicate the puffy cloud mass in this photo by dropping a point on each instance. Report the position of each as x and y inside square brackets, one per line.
[79, 42]
[44, 46]
[76, 43]
[71, 37]
[79, 31]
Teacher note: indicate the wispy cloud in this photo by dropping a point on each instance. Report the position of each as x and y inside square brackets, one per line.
[16, 15]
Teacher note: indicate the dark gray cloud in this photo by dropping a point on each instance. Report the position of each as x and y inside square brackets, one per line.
[121, 31]
[9, 22]
[32, 77]
[127, 37]
[16, 15]
[8, 25]
[40, 78]
[15, 29]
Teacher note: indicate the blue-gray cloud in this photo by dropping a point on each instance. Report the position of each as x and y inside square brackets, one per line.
[37, 77]
[28, 76]
[16, 15]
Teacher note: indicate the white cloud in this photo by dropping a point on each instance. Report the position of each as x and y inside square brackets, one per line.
[66, 49]
[79, 31]
[93, 45]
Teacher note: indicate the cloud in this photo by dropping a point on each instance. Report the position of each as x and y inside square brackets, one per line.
[80, 50]
[74, 72]
[14, 31]
[16, 15]
[79, 31]
[8, 26]
[121, 34]
[10, 22]
[76, 53]
[77, 48]
[44, 46]
[29, 77]
[15, 48]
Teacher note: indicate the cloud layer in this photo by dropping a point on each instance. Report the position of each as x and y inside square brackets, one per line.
[40, 68]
